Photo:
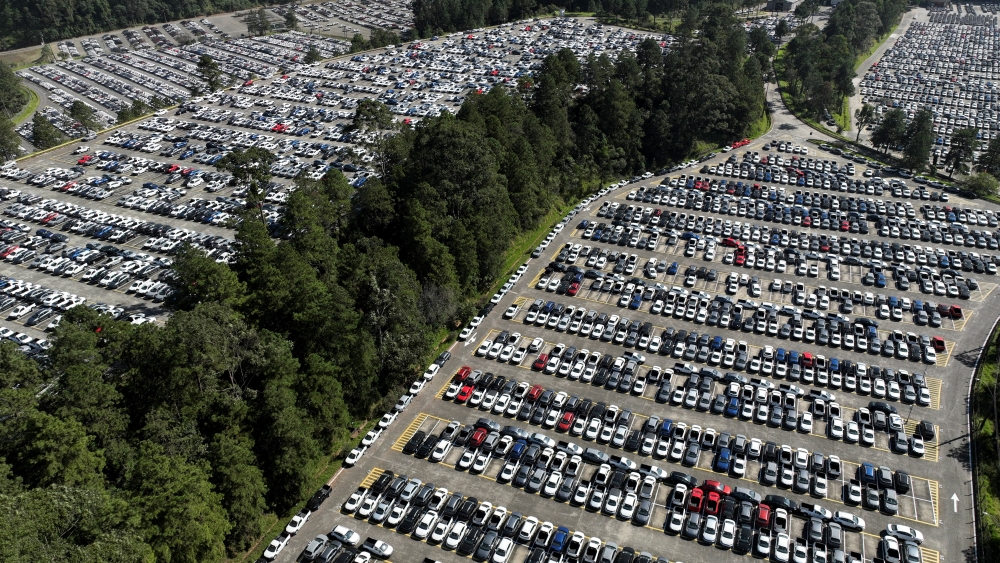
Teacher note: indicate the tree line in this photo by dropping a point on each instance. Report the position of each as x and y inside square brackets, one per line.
[819, 64]
[169, 443]
[29, 22]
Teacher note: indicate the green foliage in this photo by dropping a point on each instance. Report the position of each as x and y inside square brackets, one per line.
[84, 115]
[43, 133]
[983, 184]
[210, 71]
[819, 65]
[891, 132]
[963, 145]
[989, 160]
[257, 22]
[379, 38]
[919, 139]
[863, 117]
[10, 142]
[313, 55]
[432, 17]
[291, 19]
[27, 22]
[12, 95]
[138, 109]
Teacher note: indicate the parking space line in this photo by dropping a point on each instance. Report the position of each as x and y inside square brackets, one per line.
[409, 432]
[934, 387]
[372, 476]
[945, 357]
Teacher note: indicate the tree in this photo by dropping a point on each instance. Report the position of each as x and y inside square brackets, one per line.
[373, 123]
[781, 29]
[989, 160]
[313, 55]
[10, 142]
[864, 116]
[201, 279]
[983, 184]
[210, 71]
[181, 514]
[250, 168]
[84, 115]
[43, 133]
[963, 145]
[892, 131]
[12, 94]
[291, 20]
[919, 139]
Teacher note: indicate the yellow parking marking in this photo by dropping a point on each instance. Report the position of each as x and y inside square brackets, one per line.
[944, 357]
[934, 388]
[373, 475]
[443, 389]
[960, 323]
[930, 555]
[986, 289]
[522, 300]
[409, 432]
[931, 449]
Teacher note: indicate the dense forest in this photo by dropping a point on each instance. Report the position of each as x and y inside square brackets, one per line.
[169, 443]
[434, 17]
[819, 64]
[29, 22]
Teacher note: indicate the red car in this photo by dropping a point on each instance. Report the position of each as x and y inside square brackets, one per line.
[566, 422]
[955, 311]
[713, 504]
[463, 372]
[9, 250]
[695, 500]
[807, 359]
[573, 289]
[730, 242]
[172, 168]
[712, 485]
[540, 362]
[477, 437]
[938, 343]
[85, 159]
[807, 221]
[763, 516]
[741, 257]
[534, 393]
[845, 226]
[465, 393]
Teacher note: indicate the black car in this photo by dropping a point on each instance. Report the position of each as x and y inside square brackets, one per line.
[409, 521]
[901, 482]
[642, 513]
[396, 487]
[681, 477]
[512, 525]
[382, 482]
[521, 477]
[467, 509]
[691, 455]
[744, 540]
[486, 545]
[566, 489]
[426, 447]
[414, 443]
[692, 526]
[452, 505]
[469, 543]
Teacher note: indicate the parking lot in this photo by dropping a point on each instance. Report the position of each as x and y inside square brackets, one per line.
[941, 62]
[767, 345]
[725, 361]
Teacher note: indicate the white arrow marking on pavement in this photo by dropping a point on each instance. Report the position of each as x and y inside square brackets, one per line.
[470, 339]
[954, 500]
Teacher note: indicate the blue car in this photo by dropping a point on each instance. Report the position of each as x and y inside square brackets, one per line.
[636, 301]
[672, 269]
[866, 473]
[732, 407]
[834, 365]
[560, 540]
[780, 355]
[722, 460]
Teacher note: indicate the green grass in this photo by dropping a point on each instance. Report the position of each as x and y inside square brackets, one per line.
[761, 126]
[29, 108]
[843, 117]
[274, 523]
[986, 467]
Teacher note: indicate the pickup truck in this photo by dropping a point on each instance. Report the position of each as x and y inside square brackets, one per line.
[317, 499]
[377, 548]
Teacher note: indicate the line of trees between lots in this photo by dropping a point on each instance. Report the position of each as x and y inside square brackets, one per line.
[169, 443]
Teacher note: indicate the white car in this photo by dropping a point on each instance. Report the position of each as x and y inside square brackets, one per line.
[345, 535]
[355, 499]
[455, 535]
[501, 553]
[276, 545]
[426, 524]
[904, 533]
[727, 534]
[352, 458]
[850, 521]
[387, 419]
[297, 521]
